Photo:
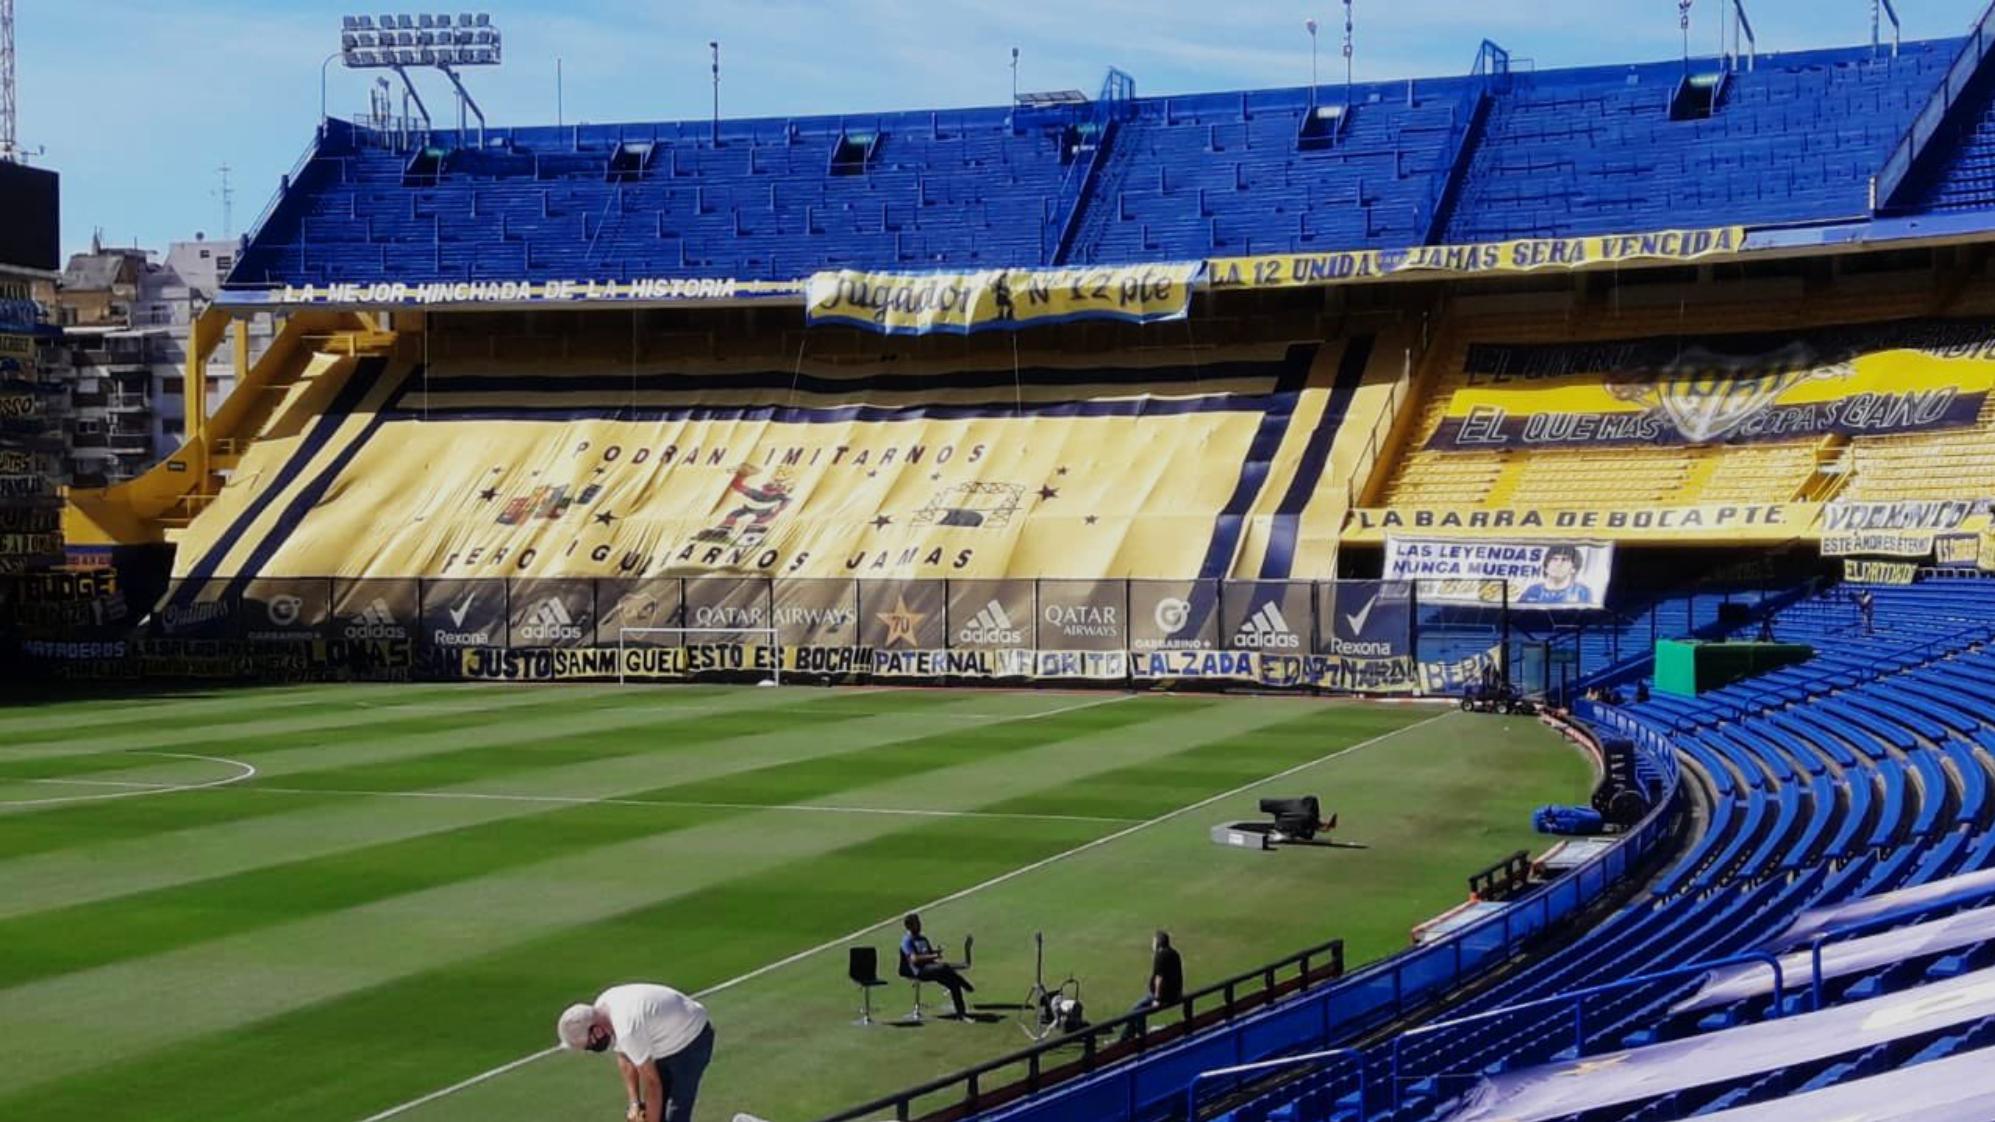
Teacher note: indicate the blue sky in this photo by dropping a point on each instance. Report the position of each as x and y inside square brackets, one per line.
[138, 102]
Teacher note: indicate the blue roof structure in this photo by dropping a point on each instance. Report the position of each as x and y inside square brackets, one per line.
[1795, 139]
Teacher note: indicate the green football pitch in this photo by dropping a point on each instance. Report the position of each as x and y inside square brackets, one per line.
[341, 903]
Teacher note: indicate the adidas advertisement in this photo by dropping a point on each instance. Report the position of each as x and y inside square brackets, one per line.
[1083, 615]
[552, 613]
[990, 615]
[635, 603]
[377, 610]
[1173, 615]
[1271, 616]
[464, 613]
[286, 610]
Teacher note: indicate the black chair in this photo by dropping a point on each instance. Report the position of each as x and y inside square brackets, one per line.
[862, 965]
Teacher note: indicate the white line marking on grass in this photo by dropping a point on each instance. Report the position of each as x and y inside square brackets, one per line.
[456, 1087]
[102, 783]
[248, 771]
[694, 804]
[993, 882]
[685, 804]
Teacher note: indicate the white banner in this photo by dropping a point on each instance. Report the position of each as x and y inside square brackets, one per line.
[1548, 575]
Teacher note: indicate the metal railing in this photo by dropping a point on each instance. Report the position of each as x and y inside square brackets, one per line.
[1382, 426]
[1191, 1091]
[1578, 998]
[1898, 166]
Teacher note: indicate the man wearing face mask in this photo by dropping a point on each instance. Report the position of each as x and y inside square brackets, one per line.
[663, 1042]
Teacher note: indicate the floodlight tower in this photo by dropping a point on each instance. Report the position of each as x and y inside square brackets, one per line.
[399, 42]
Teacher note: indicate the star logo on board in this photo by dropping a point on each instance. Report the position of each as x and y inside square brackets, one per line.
[900, 622]
[604, 517]
[882, 522]
[1060, 471]
[488, 494]
[1090, 520]
[1048, 493]
[1588, 1067]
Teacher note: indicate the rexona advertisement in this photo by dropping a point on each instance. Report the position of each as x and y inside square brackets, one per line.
[1549, 575]
[1912, 376]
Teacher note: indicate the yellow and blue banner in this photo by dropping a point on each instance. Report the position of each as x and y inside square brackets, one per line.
[1865, 381]
[1520, 255]
[999, 299]
[486, 470]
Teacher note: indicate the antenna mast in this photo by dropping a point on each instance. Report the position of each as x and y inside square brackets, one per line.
[10, 137]
[228, 195]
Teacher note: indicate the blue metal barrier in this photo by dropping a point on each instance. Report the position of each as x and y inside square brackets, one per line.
[1191, 1090]
[1578, 998]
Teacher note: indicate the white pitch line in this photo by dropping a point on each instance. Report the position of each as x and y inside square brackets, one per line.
[685, 804]
[248, 772]
[101, 783]
[993, 882]
[693, 804]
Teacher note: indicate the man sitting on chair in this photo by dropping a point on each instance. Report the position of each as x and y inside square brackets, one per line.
[923, 962]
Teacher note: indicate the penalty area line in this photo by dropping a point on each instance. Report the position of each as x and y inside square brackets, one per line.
[993, 882]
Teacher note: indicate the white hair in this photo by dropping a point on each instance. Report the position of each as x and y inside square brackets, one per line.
[573, 1027]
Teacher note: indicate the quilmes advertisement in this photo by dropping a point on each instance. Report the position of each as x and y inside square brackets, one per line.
[1547, 575]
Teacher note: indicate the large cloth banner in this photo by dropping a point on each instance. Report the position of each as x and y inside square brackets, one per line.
[999, 299]
[1522, 255]
[1889, 529]
[1914, 376]
[469, 473]
[1549, 575]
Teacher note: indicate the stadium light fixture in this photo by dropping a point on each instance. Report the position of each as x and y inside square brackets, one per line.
[394, 42]
[398, 41]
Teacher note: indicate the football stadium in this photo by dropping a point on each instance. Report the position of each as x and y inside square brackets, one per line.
[1463, 597]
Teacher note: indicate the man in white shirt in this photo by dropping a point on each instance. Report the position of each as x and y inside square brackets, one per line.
[663, 1041]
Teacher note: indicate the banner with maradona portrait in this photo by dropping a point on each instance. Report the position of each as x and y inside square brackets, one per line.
[1869, 380]
[1536, 575]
